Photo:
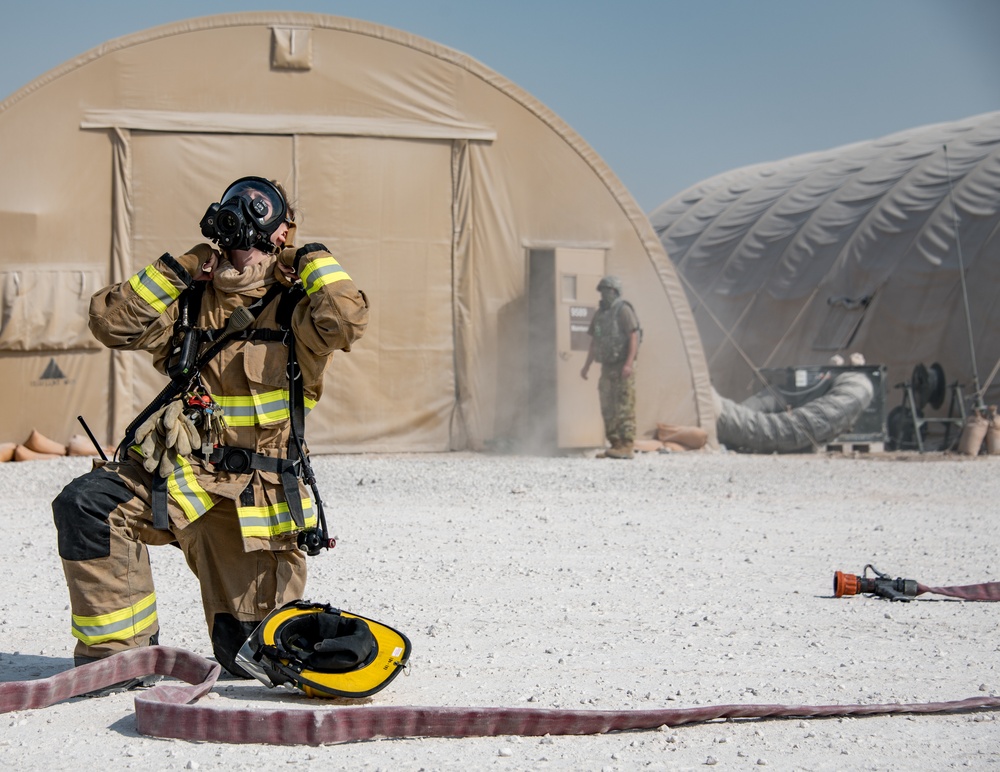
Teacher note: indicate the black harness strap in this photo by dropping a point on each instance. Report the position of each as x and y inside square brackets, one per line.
[296, 406]
[182, 381]
[244, 459]
[296, 396]
[158, 503]
[256, 308]
[296, 401]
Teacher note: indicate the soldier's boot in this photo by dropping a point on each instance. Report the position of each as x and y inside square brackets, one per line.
[609, 452]
[623, 450]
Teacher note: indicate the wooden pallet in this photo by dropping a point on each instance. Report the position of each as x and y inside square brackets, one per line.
[848, 448]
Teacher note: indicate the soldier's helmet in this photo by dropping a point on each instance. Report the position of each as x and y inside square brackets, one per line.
[610, 282]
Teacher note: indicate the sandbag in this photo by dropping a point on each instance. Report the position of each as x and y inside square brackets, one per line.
[973, 434]
[39, 443]
[82, 446]
[24, 453]
[993, 433]
[689, 437]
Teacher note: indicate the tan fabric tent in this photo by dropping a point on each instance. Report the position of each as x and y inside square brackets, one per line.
[855, 249]
[463, 207]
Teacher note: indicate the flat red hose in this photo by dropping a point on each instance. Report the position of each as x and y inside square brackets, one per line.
[986, 591]
[167, 710]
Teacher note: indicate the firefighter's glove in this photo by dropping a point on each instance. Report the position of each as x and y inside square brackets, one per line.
[150, 440]
[165, 435]
[203, 252]
[200, 261]
[284, 266]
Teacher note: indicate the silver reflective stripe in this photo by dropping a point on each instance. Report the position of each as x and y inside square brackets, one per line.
[153, 287]
[259, 409]
[272, 406]
[185, 490]
[269, 521]
[323, 270]
[118, 625]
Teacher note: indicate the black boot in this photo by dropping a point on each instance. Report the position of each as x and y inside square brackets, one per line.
[143, 682]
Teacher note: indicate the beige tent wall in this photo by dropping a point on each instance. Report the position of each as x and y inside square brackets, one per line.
[429, 175]
[393, 232]
[55, 226]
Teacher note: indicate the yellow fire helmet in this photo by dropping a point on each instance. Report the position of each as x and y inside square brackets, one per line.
[324, 651]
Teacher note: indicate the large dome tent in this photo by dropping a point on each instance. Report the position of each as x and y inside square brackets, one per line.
[855, 249]
[472, 216]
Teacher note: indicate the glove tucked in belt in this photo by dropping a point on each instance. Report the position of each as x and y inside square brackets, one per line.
[166, 434]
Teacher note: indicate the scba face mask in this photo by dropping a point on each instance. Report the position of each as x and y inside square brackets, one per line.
[249, 213]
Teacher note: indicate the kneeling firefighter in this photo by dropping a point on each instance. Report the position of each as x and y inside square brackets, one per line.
[216, 464]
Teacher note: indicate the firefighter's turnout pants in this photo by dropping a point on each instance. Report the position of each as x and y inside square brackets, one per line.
[105, 527]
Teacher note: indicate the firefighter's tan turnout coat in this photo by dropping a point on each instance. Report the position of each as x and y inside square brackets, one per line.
[236, 530]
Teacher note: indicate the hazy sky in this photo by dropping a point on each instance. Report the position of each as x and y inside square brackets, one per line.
[668, 92]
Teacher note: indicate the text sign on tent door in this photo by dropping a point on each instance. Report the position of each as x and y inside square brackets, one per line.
[580, 318]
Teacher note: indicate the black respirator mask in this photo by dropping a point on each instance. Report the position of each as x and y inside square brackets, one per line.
[250, 211]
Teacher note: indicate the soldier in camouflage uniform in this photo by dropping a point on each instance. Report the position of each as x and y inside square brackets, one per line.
[614, 343]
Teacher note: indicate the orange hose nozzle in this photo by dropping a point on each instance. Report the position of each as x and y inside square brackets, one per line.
[845, 584]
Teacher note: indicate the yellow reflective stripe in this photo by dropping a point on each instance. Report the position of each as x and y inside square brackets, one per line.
[118, 625]
[321, 271]
[272, 406]
[153, 287]
[237, 411]
[265, 408]
[228, 401]
[268, 521]
[183, 487]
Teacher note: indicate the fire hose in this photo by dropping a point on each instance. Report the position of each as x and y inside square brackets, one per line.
[169, 710]
[884, 586]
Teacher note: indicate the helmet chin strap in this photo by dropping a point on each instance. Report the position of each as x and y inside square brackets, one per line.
[265, 245]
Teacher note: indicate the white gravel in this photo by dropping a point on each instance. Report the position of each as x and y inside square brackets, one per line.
[671, 581]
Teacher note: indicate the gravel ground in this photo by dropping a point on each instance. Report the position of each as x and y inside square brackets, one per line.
[675, 580]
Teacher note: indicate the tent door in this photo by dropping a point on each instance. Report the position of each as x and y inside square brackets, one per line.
[171, 179]
[562, 299]
[383, 205]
